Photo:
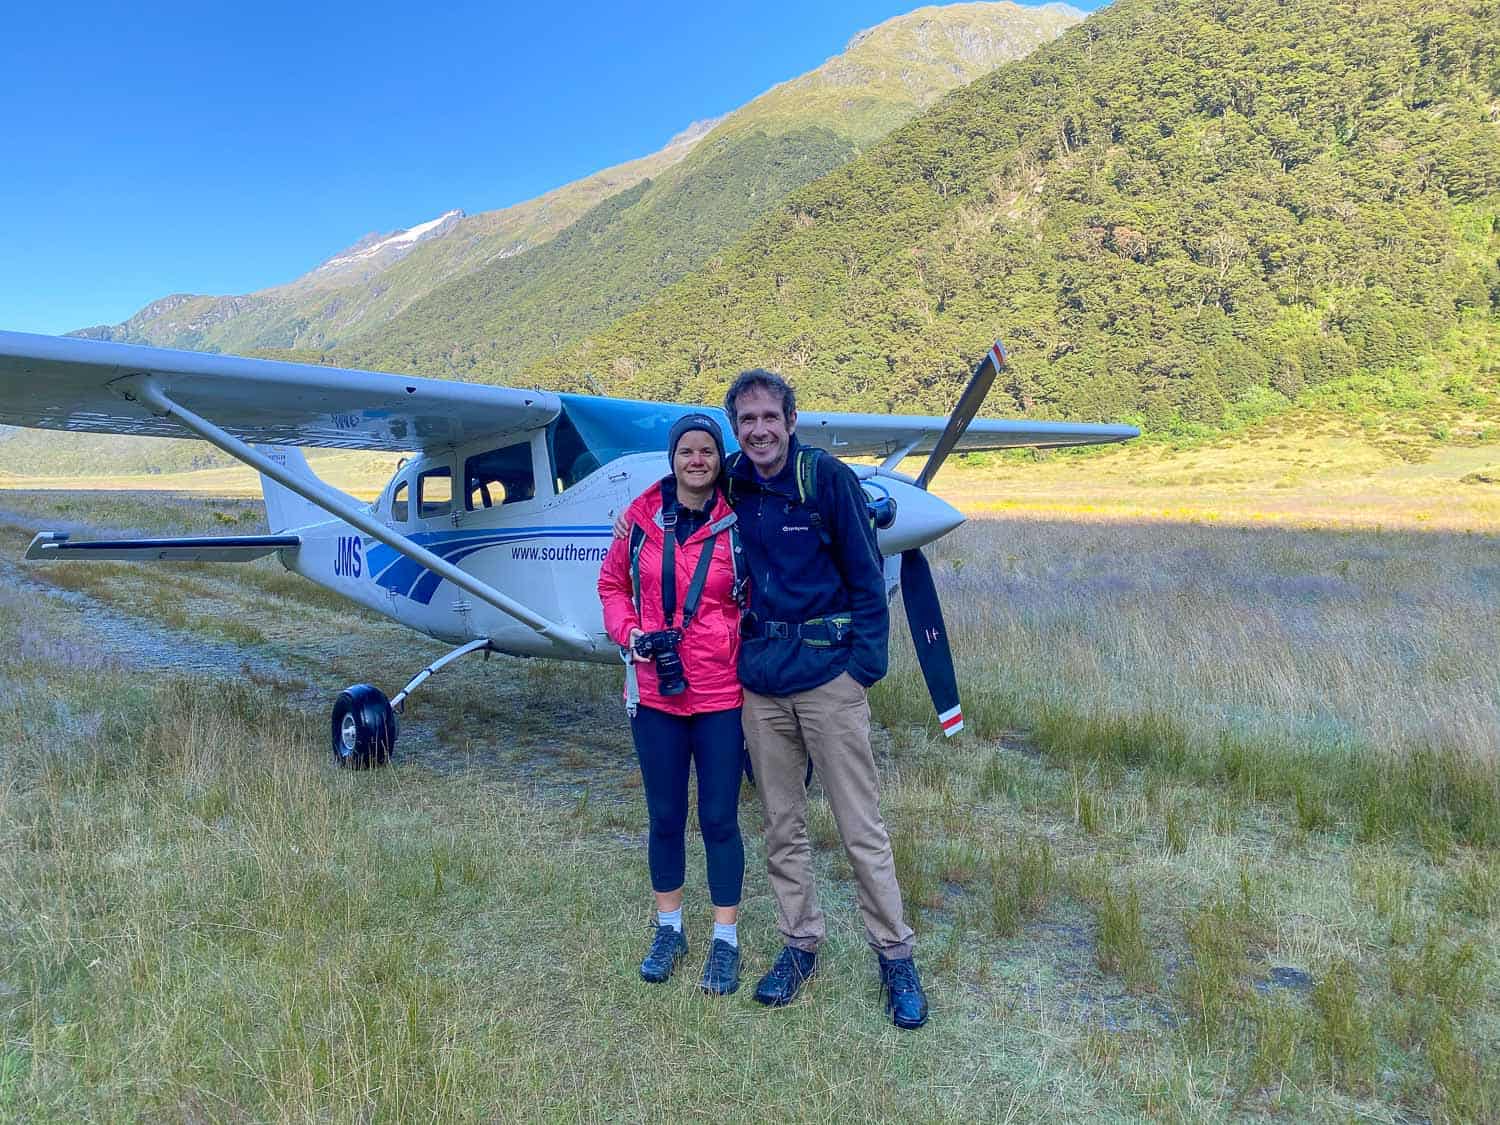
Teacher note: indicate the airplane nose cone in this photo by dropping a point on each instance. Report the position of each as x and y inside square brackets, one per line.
[921, 517]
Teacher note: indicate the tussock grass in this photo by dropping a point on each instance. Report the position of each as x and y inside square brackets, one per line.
[1022, 881]
[1383, 880]
[1281, 1031]
[153, 512]
[1345, 1038]
[1225, 936]
[1173, 831]
[1330, 672]
[1465, 1078]
[1439, 981]
[1475, 887]
[200, 919]
[1123, 947]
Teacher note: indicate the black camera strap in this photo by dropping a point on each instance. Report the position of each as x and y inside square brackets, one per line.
[668, 566]
[700, 572]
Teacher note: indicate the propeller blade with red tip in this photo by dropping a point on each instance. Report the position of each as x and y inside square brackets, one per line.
[930, 636]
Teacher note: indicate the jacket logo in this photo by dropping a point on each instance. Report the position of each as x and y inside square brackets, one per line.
[795, 527]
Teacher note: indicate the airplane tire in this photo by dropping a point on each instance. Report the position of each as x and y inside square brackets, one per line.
[363, 728]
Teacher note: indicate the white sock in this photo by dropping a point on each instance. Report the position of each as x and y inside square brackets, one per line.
[727, 932]
[671, 918]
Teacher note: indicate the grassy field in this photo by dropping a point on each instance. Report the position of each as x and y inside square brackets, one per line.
[1222, 840]
[1313, 469]
[360, 474]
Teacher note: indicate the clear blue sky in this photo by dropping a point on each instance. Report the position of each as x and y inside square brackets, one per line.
[170, 147]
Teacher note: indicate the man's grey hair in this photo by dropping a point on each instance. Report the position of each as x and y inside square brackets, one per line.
[758, 378]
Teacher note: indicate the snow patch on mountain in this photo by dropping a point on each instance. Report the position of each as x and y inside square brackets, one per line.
[400, 238]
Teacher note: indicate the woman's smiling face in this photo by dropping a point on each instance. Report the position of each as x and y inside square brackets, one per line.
[695, 462]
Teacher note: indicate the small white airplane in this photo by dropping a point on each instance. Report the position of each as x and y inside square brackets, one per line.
[489, 537]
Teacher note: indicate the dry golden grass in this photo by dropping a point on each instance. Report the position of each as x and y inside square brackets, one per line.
[1220, 841]
[1310, 473]
[360, 474]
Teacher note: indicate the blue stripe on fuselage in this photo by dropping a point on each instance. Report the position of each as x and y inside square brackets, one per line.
[402, 575]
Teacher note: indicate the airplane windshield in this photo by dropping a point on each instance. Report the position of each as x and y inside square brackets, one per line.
[592, 431]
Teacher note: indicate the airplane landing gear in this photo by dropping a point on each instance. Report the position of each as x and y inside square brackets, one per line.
[364, 723]
[364, 728]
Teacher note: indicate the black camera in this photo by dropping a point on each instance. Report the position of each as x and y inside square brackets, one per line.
[661, 647]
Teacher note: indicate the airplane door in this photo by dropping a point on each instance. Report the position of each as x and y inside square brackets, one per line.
[419, 598]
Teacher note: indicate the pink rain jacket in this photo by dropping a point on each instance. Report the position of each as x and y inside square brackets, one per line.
[711, 644]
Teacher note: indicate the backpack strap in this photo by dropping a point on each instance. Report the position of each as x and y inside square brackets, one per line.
[741, 571]
[730, 464]
[808, 457]
[738, 570]
[632, 686]
[637, 541]
[807, 473]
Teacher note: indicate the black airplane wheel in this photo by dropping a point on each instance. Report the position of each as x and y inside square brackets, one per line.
[363, 728]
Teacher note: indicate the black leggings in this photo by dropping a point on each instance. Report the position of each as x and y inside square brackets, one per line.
[665, 744]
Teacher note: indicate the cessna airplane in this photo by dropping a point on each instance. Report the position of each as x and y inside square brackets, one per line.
[490, 536]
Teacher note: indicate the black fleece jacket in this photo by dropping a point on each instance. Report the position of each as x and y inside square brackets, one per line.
[795, 576]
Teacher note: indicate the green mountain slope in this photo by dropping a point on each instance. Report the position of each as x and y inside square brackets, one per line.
[887, 74]
[490, 322]
[340, 297]
[626, 233]
[1177, 209]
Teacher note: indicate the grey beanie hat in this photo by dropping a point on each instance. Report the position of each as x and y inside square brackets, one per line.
[686, 425]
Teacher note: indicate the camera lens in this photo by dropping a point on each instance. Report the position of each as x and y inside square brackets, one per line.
[669, 676]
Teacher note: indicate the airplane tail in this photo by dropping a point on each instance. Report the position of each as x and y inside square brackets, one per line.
[284, 508]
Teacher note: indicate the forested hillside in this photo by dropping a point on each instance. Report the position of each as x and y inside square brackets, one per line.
[1178, 205]
[489, 323]
[486, 324]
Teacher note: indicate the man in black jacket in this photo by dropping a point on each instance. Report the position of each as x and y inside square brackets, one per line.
[813, 644]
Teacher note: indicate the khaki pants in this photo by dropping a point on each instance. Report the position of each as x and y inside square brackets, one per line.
[832, 723]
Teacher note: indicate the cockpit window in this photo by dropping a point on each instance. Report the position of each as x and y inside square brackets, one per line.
[571, 459]
[435, 492]
[398, 503]
[501, 476]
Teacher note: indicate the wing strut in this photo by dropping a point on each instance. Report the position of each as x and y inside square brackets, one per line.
[336, 504]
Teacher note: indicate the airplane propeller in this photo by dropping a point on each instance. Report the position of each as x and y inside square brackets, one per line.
[924, 613]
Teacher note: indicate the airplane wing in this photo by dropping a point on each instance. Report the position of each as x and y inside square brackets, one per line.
[880, 435]
[64, 383]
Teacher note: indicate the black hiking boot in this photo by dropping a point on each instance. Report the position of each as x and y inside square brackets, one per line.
[902, 990]
[721, 972]
[792, 969]
[668, 947]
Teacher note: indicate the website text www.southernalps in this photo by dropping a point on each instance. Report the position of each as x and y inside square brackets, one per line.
[568, 552]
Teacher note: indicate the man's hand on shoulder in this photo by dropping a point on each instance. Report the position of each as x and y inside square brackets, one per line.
[622, 526]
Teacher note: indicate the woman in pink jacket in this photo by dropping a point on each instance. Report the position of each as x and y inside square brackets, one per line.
[670, 599]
